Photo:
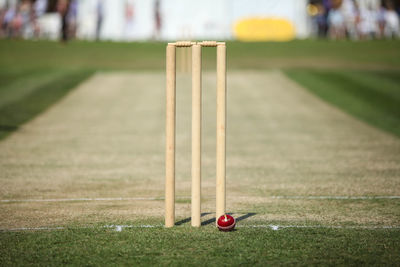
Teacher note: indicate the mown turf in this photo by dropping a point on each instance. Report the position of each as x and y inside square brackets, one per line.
[281, 142]
[151, 56]
[373, 96]
[205, 247]
[25, 95]
[31, 70]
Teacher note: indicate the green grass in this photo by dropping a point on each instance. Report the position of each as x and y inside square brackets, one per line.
[373, 96]
[33, 75]
[22, 55]
[23, 95]
[205, 247]
[271, 152]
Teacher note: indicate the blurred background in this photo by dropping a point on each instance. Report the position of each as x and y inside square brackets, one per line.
[251, 20]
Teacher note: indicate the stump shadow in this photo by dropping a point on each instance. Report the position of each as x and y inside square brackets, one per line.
[238, 219]
[212, 220]
[186, 220]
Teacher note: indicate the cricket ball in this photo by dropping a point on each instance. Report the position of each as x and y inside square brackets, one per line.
[226, 223]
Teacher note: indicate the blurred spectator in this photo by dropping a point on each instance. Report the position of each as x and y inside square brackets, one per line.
[318, 11]
[72, 18]
[337, 28]
[100, 16]
[336, 19]
[27, 18]
[356, 19]
[16, 23]
[321, 21]
[381, 24]
[351, 16]
[40, 7]
[62, 9]
[157, 20]
[7, 20]
[2, 25]
[392, 27]
[129, 19]
[369, 15]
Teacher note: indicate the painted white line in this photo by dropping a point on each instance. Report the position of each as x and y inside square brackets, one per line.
[273, 227]
[80, 199]
[161, 198]
[87, 199]
[360, 227]
[33, 229]
[337, 197]
[117, 228]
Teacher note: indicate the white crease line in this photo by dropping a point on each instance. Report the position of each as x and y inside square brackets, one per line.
[161, 198]
[119, 228]
[85, 199]
[78, 199]
[277, 227]
[33, 229]
[335, 197]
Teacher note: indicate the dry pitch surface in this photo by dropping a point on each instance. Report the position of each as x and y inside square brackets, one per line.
[290, 160]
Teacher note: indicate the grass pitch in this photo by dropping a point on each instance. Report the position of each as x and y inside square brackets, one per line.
[373, 96]
[204, 247]
[92, 156]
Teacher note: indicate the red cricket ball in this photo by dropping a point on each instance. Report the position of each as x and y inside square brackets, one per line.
[226, 223]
